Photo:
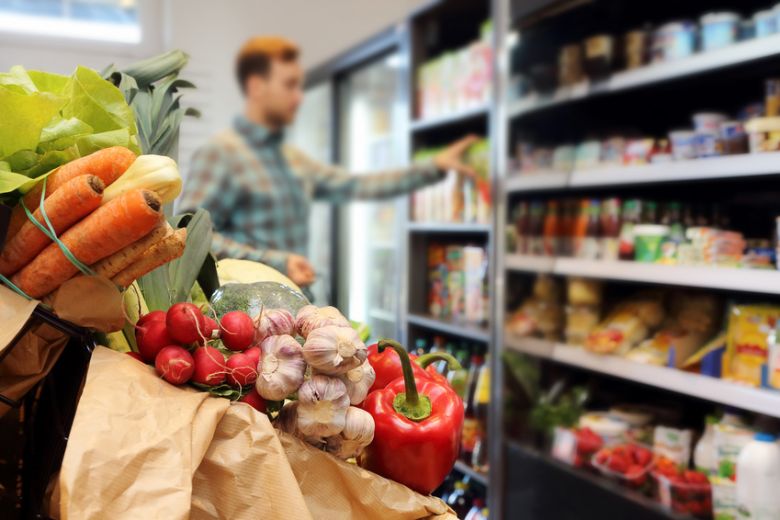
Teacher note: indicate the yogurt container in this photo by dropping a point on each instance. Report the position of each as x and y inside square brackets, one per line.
[764, 23]
[683, 144]
[719, 30]
[647, 241]
[674, 40]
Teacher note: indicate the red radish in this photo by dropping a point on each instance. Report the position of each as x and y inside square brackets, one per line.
[209, 326]
[238, 330]
[151, 339]
[149, 317]
[240, 371]
[209, 366]
[136, 355]
[185, 323]
[254, 353]
[174, 364]
[254, 400]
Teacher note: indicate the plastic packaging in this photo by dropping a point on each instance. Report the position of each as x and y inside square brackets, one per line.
[764, 23]
[628, 463]
[704, 453]
[673, 41]
[611, 430]
[683, 144]
[673, 444]
[684, 497]
[758, 474]
[647, 241]
[719, 30]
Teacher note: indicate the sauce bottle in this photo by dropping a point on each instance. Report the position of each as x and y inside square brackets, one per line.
[550, 232]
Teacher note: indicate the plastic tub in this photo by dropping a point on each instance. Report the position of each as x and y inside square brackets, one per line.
[683, 144]
[708, 121]
[764, 23]
[683, 497]
[612, 431]
[719, 30]
[673, 41]
[631, 471]
[647, 241]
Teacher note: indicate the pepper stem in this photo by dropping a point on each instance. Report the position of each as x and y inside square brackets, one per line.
[410, 403]
[432, 357]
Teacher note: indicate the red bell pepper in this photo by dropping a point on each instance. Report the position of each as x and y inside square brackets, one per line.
[418, 424]
[387, 366]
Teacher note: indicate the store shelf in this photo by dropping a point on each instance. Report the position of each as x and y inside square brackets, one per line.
[739, 53]
[444, 227]
[537, 181]
[421, 125]
[381, 314]
[478, 476]
[708, 388]
[732, 166]
[463, 330]
[765, 281]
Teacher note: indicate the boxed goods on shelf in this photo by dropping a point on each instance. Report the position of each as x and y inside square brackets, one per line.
[456, 278]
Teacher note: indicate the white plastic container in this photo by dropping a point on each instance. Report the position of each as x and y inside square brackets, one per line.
[758, 479]
[765, 23]
[704, 454]
[718, 30]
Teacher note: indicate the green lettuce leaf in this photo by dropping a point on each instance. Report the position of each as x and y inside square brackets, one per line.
[97, 102]
[48, 82]
[23, 118]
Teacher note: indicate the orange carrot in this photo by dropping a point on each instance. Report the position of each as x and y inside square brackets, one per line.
[76, 199]
[107, 164]
[165, 250]
[104, 232]
[111, 265]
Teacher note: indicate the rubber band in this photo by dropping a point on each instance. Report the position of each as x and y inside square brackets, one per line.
[13, 287]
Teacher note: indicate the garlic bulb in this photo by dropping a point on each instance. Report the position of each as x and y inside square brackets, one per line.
[274, 322]
[334, 350]
[281, 368]
[287, 421]
[322, 406]
[358, 381]
[358, 433]
[310, 318]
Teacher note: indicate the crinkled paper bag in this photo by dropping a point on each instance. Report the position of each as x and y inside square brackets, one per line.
[33, 354]
[141, 448]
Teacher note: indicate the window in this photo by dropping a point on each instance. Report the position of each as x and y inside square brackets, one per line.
[104, 20]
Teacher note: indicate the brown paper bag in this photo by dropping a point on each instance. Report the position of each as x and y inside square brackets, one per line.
[33, 354]
[141, 448]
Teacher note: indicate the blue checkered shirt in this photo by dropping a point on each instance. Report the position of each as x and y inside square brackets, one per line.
[259, 191]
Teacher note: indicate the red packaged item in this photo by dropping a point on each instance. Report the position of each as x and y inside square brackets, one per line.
[628, 463]
[576, 446]
[682, 491]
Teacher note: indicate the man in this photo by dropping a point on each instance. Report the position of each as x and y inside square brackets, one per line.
[258, 190]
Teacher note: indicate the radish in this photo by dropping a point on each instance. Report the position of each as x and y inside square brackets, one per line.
[238, 330]
[210, 366]
[136, 355]
[209, 326]
[254, 400]
[174, 364]
[151, 339]
[240, 371]
[149, 317]
[254, 353]
[185, 323]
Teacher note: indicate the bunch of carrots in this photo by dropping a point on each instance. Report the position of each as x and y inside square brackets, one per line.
[121, 239]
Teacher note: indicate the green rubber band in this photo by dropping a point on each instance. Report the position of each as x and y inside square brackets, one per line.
[13, 287]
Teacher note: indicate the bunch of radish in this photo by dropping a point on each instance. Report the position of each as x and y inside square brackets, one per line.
[183, 345]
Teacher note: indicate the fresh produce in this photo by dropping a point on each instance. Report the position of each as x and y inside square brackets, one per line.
[149, 317]
[210, 367]
[682, 490]
[282, 368]
[136, 355]
[185, 323]
[322, 406]
[358, 381]
[102, 233]
[387, 366]
[588, 443]
[426, 362]
[157, 173]
[235, 271]
[151, 338]
[174, 364]
[334, 350]
[254, 353]
[274, 322]
[163, 251]
[418, 428]
[253, 399]
[211, 328]
[358, 433]
[311, 317]
[237, 330]
[114, 264]
[253, 298]
[240, 370]
[77, 198]
[628, 463]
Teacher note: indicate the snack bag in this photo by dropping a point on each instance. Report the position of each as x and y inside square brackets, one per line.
[749, 331]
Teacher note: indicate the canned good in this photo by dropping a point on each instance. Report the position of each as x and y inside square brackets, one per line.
[674, 40]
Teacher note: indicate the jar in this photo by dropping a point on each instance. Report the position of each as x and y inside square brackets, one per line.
[719, 30]
[683, 144]
[674, 40]
[772, 100]
[599, 56]
[764, 23]
[570, 65]
[635, 45]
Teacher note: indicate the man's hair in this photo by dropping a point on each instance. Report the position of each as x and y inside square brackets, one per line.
[257, 53]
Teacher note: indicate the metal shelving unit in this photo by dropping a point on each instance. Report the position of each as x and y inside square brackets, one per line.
[420, 125]
[462, 330]
[478, 476]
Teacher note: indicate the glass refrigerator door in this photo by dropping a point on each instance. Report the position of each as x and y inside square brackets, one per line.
[371, 139]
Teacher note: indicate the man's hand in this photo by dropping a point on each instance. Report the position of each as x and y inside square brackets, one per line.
[451, 157]
[300, 270]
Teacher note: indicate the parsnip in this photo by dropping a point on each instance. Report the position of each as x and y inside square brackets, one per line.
[114, 264]
[167, 249]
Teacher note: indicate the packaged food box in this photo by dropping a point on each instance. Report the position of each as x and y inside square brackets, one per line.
[673, 444]
[747, 349]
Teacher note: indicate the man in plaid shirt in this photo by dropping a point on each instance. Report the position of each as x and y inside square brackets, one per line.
[258, 190]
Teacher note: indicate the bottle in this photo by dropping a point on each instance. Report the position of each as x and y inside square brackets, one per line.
[536, 228]
[438, 344]
[460, 499]
[610, 229]
[478, 511]
[672, 217]
[758, 475]
[580, 229]
[704, 453]
[470, 422]
[592, 244]
[568, 218]
[420, 346]
[479, 458]
[458, 379]
[649, 213]
[631, 209]
[550, 231]
[522, 225]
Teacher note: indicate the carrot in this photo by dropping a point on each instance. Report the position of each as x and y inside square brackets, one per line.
[107, 164]
[104, 232]
[111, 265]
[76, 199]
[167, 249]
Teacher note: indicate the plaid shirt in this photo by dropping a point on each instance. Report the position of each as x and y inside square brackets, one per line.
[259, 190]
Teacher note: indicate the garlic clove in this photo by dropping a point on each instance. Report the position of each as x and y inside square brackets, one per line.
[274, 322]
[358, 382]
[282, 367]
[322, 406]
[334, 350]
[310, 318]
[358, 433]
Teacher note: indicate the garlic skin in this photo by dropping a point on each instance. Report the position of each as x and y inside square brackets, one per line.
[358, 381]
[310, 318]
[287, 421]
[322, 406]
[358, 433]
[274, 322]
[281, 369]
[334, 350]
